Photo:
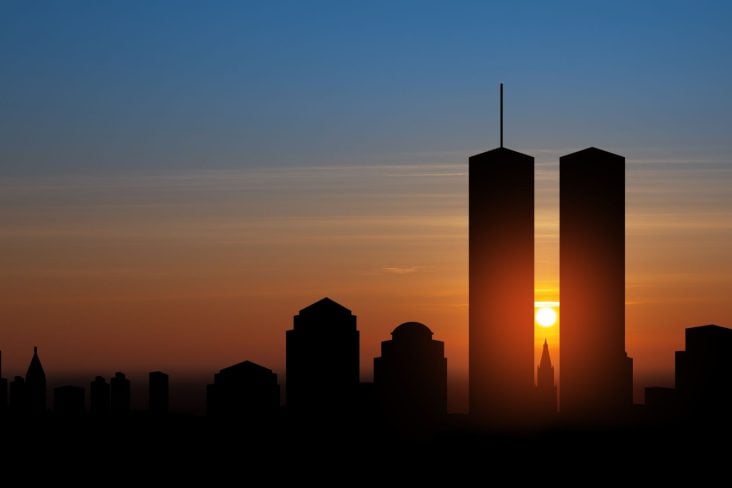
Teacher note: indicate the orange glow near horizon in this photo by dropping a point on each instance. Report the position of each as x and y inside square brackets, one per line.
[192, 272]
[549, 333]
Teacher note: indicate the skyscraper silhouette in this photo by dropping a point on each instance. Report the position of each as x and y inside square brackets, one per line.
[246, 391]
[596, 373]
[35, 384]
[158, 393]
[501, 294]
[99, 396]
[119, 401]
[68, 401]
[704, 371]
[322, 359]
[546, 389]
[410, 377]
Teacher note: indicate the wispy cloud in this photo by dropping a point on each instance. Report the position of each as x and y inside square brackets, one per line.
[399, 270]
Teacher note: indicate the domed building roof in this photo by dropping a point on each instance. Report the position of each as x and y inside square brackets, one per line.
[412, 330]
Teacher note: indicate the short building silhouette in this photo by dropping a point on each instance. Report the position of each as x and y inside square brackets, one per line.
[410, 377]
[119, 403]
[19, 402]
[158, 393]
[99, 397]
[3, 388]
[68, 401]
[704, 371]
[245, 390]
[322, 365]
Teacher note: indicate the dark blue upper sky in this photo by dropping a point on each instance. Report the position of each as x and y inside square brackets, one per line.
[91, 86]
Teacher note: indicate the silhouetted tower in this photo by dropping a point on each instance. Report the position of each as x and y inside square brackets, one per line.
[158, 393]
[546, 389]
[322, 359]
[19, 403]
[704, 371]
[35, 383]
[3, 388]
[596, 373]
[99, 396]
[119, 394]
[410, 377]
[68, 401]
[246, 391]
[501, 294]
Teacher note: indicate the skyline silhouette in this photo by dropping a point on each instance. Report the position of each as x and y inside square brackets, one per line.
[298, 242]
[323, 381]
[507, 390]
[180, 192]
[409, 388]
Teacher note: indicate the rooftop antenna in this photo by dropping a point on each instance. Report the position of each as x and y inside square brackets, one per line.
[501, 117]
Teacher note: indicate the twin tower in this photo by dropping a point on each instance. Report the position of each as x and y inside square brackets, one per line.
[596, 375]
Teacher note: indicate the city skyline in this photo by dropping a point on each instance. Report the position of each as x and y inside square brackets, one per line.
[168, 198]
[409, 390]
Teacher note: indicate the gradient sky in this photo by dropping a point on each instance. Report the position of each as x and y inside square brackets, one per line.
[177, 179]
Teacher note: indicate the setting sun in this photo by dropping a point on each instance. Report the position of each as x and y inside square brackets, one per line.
[546, 316]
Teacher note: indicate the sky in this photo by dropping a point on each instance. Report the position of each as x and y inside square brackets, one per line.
[178, 179]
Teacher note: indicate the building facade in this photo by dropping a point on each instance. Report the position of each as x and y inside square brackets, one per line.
[501, 285]
[322, 363]
[596, 376]
[410, 377]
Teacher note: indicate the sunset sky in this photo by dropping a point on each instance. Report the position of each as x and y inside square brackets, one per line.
[178, 179]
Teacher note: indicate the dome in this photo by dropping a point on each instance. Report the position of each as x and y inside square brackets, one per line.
[412, 330]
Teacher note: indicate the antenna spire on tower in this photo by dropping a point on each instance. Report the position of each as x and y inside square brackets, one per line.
[501, 116]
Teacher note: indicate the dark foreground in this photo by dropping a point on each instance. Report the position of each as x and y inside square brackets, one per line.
[201, 451]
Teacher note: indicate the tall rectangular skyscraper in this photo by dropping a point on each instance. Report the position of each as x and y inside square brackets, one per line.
[501, 295]
[596, 375]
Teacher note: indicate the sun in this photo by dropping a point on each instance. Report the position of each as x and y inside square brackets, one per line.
[546, 316]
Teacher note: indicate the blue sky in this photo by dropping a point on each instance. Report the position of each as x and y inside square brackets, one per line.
[92, 86]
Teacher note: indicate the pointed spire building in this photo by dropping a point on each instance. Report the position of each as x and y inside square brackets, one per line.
[35, 384]
[546, 388]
